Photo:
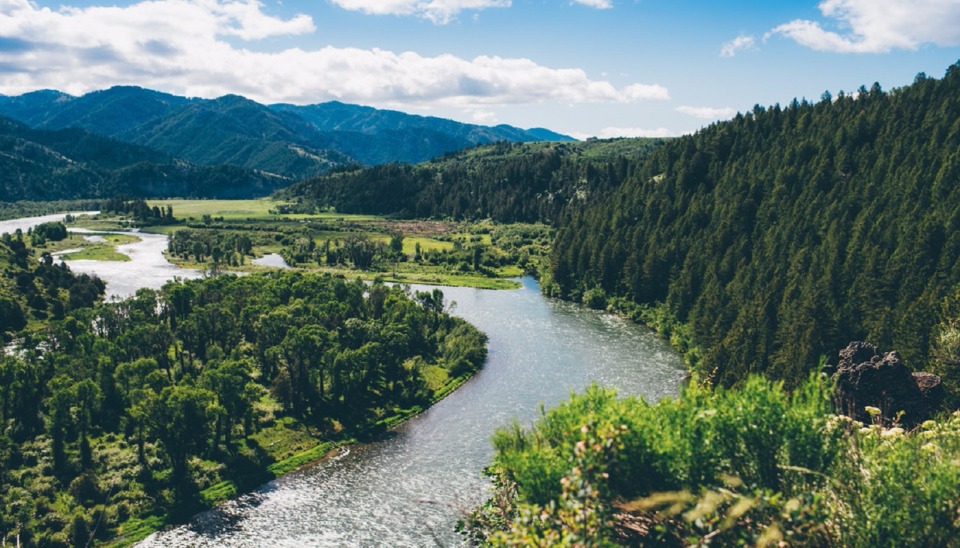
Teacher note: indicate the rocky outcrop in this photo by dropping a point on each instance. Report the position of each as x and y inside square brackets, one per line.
[866, 378]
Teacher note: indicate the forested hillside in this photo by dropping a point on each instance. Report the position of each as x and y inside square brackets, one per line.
[74, 163]
[236, 131]
[374, 136]
[787, 232]
[507, 182]
[291, 141]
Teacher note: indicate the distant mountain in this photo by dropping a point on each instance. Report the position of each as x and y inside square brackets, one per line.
[291, 141]
[236, 131]
[74, 163]
[375, 136]
[108, 112]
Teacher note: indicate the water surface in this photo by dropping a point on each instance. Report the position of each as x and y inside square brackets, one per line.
[275, 260]
[410, 488]
[147, 267]
[26, 223]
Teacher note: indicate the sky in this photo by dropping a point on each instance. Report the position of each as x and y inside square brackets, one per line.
[585, 68]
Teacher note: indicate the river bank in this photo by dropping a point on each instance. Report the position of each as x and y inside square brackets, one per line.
[409, 487]
[417, 479]
[139, 528]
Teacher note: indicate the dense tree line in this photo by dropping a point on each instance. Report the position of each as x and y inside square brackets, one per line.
[227, 247]
[113, 411]
[47, 232]
[783, 234]
[38, 289]
[139, 210]
[507, 182]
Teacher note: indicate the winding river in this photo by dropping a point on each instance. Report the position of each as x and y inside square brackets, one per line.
[409, 488]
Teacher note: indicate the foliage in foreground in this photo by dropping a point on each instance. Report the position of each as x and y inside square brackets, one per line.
[146, 410]
[754, 465]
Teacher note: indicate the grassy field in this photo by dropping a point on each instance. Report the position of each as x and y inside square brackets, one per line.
[102, 251]
[450, 253]
[97, 247]
[243, 210]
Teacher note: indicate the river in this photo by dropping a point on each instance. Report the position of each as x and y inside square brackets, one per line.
[410, 487]
[25, 223]
[147, 266]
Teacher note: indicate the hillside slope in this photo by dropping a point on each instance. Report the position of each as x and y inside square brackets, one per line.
[787, 232]
[73, 163]
[291, 141]
[375, 136]
[518, 182]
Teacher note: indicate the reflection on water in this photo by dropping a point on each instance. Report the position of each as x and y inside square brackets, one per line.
[271, 259]
[409, 488]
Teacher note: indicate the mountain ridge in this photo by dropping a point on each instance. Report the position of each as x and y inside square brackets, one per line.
[71, 163]
[288, 140]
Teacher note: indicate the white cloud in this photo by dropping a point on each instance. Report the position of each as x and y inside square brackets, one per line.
[484, 117]
[740, 43]
[878, 26]
[438, 11]
[179, 46]
[599, 4]
[614, 132]
[706, 113]
[654, 92]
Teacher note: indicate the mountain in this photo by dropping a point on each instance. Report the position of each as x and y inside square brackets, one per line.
[375, 136]
[780, 236]
[108, 112]
[508, 182]
[74, 163]
[237, 131]
[286, 140]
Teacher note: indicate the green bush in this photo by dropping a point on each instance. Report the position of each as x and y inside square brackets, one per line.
[754, 465]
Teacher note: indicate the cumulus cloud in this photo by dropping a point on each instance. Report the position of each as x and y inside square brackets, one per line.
[599, 4]
[706, 113]
[614, 132]
[878, 26]
[484, 117]
[438, 11]
[188, 47]
[740, 43]
[649, 92]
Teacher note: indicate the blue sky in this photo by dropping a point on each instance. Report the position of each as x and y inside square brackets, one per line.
[581, 67]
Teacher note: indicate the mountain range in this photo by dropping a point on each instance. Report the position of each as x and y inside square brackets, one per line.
[284, 142]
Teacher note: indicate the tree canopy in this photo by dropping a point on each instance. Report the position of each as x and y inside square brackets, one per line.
[783, 234]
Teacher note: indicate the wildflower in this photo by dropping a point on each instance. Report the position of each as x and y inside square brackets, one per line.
[892, 432]
[872, 411]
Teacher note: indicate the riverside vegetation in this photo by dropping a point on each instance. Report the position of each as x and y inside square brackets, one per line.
[760, 245]
[753, 466]
[120, 417]
[757, 245]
